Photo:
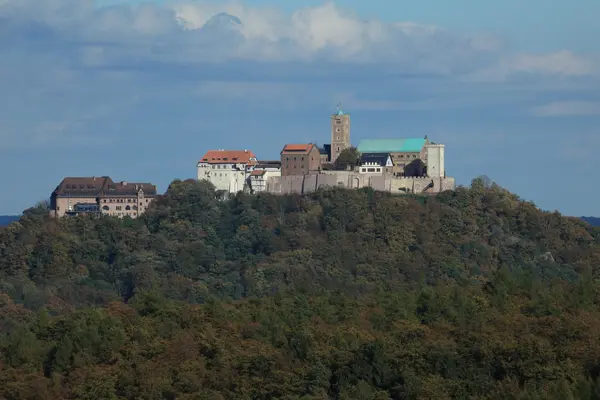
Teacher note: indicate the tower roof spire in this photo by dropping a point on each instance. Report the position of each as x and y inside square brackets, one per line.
[339, 110]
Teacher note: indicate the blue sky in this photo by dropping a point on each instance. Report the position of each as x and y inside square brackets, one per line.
[140, 92]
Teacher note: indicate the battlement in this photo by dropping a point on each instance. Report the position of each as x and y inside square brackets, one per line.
[435, 145]
[413, 178]
[351, 180]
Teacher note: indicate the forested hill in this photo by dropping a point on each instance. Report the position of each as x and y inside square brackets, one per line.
[337, 295]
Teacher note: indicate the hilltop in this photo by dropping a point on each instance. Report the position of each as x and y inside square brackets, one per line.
[344, 294]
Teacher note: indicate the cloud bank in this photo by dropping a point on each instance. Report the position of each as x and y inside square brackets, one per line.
[73, 64]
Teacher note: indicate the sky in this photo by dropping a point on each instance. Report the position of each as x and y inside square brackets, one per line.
[140, 91]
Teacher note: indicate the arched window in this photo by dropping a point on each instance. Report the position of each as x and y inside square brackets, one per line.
[106, 208]
[128, 208]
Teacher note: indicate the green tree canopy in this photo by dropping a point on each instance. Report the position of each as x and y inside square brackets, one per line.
[348, 158]
[339, 294]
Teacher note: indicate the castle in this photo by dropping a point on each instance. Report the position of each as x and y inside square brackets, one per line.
[406, 165]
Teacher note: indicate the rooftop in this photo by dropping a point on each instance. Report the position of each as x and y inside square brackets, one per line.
[98, 186]
[229, 157]
[268, 164]
[379, 158]
[408, 145]
[297, 148]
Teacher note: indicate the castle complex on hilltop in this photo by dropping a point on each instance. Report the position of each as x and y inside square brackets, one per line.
[406, 165]
[409, 165]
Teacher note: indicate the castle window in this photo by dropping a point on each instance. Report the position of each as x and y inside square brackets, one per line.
[106, 208]
[127, 208]
[118, 208]
[378, 169]
[364, 170]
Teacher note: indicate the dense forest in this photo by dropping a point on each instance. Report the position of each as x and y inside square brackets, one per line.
[340, 294]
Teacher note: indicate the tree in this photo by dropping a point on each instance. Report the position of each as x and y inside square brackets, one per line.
[349, 157]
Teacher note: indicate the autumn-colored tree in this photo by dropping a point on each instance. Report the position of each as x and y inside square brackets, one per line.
[342, 294]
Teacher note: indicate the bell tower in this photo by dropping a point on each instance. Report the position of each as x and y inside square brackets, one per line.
[340, 133]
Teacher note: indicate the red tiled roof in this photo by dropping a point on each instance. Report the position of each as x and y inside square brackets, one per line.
[302, 148]
[258, 172]
[229, 157]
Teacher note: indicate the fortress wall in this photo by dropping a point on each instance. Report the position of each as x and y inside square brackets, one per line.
[352, 180]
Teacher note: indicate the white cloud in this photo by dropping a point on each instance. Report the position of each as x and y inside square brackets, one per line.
[326, 32]
[567, 109]
[562, 64]
[63, 60]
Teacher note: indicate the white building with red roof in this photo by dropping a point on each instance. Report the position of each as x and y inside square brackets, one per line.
[227, 170]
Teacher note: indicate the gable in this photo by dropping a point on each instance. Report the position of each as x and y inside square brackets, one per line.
[380, 159]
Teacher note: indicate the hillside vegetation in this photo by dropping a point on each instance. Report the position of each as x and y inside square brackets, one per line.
[337, 295]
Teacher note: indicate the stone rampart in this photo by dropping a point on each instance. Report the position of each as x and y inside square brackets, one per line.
[352, 180]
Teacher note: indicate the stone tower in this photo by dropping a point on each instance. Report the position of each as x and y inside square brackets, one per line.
[436, 166]
[340, 133]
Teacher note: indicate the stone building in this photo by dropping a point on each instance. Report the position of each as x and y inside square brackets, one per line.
[436, 166]
[257, 181]
[403, 152]
[375, 163]
[340, 134]
[300, 159]
[101, 196]
[227, 170]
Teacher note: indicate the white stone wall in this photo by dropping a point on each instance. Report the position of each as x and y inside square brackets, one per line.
[228, 177]
[435, 160]
[259, 182]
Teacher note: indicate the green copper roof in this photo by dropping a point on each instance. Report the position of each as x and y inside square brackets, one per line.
[410, 145]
